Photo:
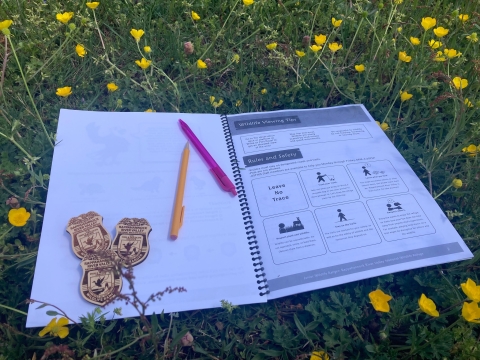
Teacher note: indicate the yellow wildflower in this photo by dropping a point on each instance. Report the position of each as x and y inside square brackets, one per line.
[319, 355]
[112, 87]
[93, 5]
[80, 50]
[428, 306]
[380, 300]
[398, 2]
[434, 44]
[299, 53]
[320, 39]
[264, 91]
[195, 16]
[248, 2]
[428, 22]
[64, 91]
[440, 31]
[439, 57]
[5, 24]
[384, 126]
[459, 83]
[236, 58]
[147, 49]
[472, 37]
[463, 17]
[144, 63]
[55, 328]
[201, 64]
[471, 312]
[404, 96]
[238, 103]
[468, 103]
[315, 48]
[457, 183]
[334, 47]
[18, 217]
[65, 17]
[402, 56]
[414, 40]
[137, 34]
[150, 111]
[471, 150]
[451, 53]
[360, 68]
[272, 46]
[336, 23]
[214, 103]
[399, 29]
[471, 289]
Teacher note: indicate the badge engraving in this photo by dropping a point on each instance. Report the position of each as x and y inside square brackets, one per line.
[100, 282]
[88, 234]
[131, 241]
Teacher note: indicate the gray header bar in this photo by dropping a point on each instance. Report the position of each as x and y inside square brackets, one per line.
[274, 121]
[272, 157]
[363, 265]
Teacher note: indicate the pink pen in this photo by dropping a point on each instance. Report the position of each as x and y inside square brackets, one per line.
[216, 171]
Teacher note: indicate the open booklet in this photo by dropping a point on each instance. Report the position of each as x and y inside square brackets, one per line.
[324, 199]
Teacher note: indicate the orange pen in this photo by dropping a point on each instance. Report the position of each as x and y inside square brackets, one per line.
[179, 209]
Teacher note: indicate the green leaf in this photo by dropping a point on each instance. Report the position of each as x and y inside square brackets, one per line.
[52, 313]
[110, 326]
[154, 322]
[41, 306]
[271, 352]
[177, 338]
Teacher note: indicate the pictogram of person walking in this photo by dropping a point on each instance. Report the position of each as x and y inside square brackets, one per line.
[341, 215]
[365, 171]
[320, 177]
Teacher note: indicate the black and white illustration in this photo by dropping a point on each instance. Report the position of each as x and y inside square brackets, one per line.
[293, 237]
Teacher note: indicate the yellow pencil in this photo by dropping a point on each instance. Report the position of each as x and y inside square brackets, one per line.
[179, 209]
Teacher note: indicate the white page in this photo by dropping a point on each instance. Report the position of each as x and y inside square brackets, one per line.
[126, 165]
[333, 201]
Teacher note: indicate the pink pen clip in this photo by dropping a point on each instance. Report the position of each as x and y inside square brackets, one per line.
[216, 171]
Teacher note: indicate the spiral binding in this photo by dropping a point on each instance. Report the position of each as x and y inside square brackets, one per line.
[242, 198]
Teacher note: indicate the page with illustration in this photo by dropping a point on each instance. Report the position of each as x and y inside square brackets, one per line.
[333, 201]
[126, 165]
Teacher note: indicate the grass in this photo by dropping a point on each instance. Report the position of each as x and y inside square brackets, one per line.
[434, 131]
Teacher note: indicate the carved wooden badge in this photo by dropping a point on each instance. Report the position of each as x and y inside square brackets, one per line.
[131, 241]
[88, 234]
[100, 281]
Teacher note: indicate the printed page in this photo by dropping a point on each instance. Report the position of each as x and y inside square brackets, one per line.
[333, 201]
[125, 165]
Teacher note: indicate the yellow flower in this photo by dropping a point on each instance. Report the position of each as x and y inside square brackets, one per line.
[147, 49]
[404, 96]
[471, 289]
[398, 2]
[428, 23]
[214, 103]
[238, 103]
[319, 355]
[334, 47]
[336, 23]
[471, 150]
[400, 29]
[402, 56]
[315, 48]
[380, 300]
[64, 91]
[272, 46]
[434, 44]
[300, 53]
[93, 5]
[201, 64]
[65, 17]
[428, 306]
[5, 24]
[320, 39]
[112, 87]
[80, 50]
[236, 58]
[264, 91]
[439, 57]
[384, 126]
[360, 68]
[195, 16]
[468, 103]
[56, 328]
[472, 37]
[248, 2]
[137, 34]
[457, 183]
[460, 83]
[463, 17]
[18, 217]
[144, 63]
[414, 40]
[440, 31]
[471, 312]
[451, 53]
[149, 110]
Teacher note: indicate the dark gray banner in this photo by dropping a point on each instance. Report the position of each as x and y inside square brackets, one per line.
[363, 265]
[271, 157]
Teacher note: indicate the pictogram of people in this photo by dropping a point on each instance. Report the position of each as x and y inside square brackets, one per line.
[397, 206]
[320, 177]
[341, 215]
[365, 171]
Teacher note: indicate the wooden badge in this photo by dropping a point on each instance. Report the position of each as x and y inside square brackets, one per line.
[100, 281]
[131, 241]
[88, 234]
